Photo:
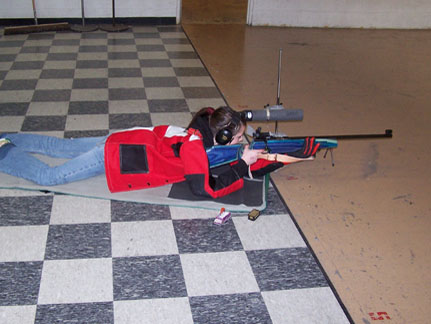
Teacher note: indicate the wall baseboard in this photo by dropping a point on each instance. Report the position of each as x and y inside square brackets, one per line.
[97, 21]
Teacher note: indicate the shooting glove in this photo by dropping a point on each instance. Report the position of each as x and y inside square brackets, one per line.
[309, 148]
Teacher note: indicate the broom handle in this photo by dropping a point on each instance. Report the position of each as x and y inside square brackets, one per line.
[113, 12]
[34, 11]
[83, 13]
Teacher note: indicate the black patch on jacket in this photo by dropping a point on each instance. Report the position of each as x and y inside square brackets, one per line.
[133, 159]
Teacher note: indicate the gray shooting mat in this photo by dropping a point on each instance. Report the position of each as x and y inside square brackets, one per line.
[251, 196]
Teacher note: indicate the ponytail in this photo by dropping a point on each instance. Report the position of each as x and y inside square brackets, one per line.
[204, 111]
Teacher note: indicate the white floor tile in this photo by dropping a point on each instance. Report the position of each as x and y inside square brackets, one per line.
[128, 106]
[148, 41]
[87, 122]
[125, 83]
[31, 57]
[218, 273]
[48, 108]
[76, 281]
[304, 306]
[90, 73]
[43, 84]
[22, 75]
[89, 95]
[153, 55]
[79, 210]
[124, 64]
[164, 93]
[181, 119]
[11, 123]
[158, 72]
[59, 65]
[22, 243]
[17, 314]
[143, 238]
[268, 232]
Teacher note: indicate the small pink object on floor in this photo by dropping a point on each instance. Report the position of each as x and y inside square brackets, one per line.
[222, 217]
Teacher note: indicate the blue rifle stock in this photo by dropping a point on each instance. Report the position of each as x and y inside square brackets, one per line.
[219, 155]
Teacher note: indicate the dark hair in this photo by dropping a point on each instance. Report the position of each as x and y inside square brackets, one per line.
[221, 118]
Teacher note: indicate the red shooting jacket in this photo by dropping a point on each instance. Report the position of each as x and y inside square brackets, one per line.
[140, 158]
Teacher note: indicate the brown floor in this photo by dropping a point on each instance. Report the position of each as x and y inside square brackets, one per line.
[214, 11]
[368, 219]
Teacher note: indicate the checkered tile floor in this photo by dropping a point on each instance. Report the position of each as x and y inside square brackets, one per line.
[66, 259]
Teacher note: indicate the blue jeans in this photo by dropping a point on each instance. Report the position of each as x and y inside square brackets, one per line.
[86, 158]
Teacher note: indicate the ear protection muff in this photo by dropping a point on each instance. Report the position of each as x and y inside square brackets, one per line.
[225, 135]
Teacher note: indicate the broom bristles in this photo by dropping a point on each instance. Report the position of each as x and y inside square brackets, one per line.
[36, 28]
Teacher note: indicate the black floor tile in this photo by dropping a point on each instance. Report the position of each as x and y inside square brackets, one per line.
[80, 241]
[62, 56]
[13, 109]
[190, 71]
[20, 211]
[19, 283]
[27, 65]
[239, 308]
[18, 84]
[89, 313]
[281, 269]
[201, 235]
[57, 74]
[162, 82]
[124, 72]
[90, 83]
[124, 121]
[43, 123]
[127, 94]
[91, 64]
[155, 63]
[168, 105]
[88, 107]
[35, 49]
[148, 277]
[123, 211]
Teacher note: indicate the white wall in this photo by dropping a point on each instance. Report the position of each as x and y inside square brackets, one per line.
[341, 13]
[298, 13]
[93, 8]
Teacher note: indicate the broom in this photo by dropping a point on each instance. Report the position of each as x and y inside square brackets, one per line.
[36, 28]
[114, 27]
[83, 28]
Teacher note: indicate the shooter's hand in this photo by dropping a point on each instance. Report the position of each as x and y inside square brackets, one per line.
[250, 156]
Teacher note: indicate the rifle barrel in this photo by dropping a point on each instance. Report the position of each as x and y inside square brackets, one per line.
[386, 134]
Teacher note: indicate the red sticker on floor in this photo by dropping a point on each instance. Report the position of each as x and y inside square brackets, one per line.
[379, 316]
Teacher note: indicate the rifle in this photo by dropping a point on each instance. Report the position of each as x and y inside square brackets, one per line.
[275, 144]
